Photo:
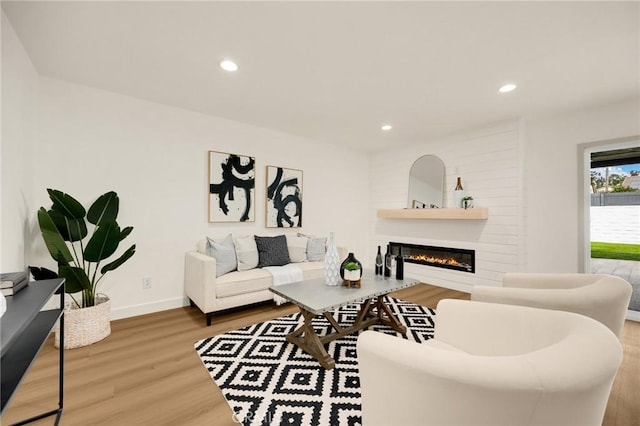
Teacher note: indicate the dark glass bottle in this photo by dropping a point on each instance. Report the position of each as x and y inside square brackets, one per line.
[379, 262]
[387, 262]
[350, 258]
[400, 266]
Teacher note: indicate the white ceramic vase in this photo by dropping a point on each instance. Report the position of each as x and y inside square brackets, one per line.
[458, 195]
[331, 263]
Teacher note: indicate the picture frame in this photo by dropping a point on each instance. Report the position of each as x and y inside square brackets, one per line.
[283, 199]
[231, 187]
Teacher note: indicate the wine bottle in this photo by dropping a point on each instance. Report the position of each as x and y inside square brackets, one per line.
[400, 266]
[387, 262]
[379, 262]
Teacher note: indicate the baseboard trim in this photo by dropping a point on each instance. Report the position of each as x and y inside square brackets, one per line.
[148, 308]
[633, 316]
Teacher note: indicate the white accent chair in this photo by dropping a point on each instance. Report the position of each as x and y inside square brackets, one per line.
[490, 364]
[602, 297]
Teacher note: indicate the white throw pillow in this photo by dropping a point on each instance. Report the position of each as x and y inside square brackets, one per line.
[297, 248]
[225, 254]
[247, 252]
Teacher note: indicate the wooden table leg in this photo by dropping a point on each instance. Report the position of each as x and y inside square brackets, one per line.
[306, 338]
[386, 317]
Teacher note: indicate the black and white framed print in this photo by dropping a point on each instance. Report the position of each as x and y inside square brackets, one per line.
[284, 198]
[231, 187]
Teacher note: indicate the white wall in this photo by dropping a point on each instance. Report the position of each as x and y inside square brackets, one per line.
[488, 161]
[155, 158]
[552, 180]
[19, 133]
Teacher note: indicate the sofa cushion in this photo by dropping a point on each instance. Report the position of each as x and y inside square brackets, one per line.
[297, 248]
[246, 251]
[311, 270]
[225, 254]
[316, 248]
[236, 283]
[272, 251]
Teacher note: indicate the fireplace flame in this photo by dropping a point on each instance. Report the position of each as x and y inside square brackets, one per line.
[433, 259]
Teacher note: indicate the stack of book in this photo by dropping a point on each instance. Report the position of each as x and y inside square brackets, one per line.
[13, 282]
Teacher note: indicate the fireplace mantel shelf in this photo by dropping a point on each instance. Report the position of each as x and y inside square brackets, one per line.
[476, 213]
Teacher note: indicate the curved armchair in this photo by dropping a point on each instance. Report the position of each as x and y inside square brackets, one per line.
[490, 364]
[602, 297]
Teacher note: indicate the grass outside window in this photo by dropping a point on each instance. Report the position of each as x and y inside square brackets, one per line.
[615, 251]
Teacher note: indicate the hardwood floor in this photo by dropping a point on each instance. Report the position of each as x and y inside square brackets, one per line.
[147, 372]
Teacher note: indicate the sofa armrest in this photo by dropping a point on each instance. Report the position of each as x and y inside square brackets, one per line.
[200, 280]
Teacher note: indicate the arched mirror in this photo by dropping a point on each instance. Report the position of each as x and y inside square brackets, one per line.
[426, 183]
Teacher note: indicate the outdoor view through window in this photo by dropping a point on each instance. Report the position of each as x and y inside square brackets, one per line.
[615, 223]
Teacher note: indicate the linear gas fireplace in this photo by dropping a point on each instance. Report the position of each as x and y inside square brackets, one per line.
[441, 257]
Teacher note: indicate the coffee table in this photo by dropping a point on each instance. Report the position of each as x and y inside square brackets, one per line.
[314, 297]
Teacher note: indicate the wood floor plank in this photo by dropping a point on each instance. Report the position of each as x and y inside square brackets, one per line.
[147, 372]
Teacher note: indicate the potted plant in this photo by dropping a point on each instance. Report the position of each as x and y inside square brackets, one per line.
[467, 202]
[352, 271]
[80, 251]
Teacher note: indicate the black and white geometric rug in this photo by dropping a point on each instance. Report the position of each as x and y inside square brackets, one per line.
[268, 381]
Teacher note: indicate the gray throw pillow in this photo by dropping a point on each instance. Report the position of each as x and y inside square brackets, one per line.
[246, 251]
[272, 251]
[224, 253]
[316, 248]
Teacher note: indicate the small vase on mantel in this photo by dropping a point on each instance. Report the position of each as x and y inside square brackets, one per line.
[331, 263]
[458, 194]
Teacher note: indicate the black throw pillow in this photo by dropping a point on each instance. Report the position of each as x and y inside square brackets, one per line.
[272, 251]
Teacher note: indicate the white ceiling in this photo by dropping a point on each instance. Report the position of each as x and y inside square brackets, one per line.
[336, 71]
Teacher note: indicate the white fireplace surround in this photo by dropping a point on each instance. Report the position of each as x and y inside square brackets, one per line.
[489, 163]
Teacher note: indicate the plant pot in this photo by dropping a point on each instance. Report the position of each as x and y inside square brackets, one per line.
[85, 326]
[350, 259]
[352, 275]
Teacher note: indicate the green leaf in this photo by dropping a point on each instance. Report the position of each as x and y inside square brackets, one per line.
[53, 240]
[103, 243]
[66, 205]
[75, 279]
[104, 209]
[125, 232]
[70, 229]
[115, 264]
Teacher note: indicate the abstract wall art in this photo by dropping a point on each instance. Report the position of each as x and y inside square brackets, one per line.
[284, 198]
[231, 187]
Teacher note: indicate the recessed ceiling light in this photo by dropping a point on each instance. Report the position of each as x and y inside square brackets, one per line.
[386, 127]
[507, 88]
[229, 65]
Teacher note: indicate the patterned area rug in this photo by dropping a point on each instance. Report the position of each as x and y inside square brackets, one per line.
[268, 381]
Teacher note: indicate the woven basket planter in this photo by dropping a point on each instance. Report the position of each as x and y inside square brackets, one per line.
[85, 326]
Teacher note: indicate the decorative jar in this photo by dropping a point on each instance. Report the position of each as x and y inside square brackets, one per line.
[331, 263]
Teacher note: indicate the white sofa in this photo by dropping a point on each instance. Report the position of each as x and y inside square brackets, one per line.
[490, 364]
[238, 288]
[602, 297]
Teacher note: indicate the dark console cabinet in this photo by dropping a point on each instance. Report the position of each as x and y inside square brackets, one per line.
[24, 328]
